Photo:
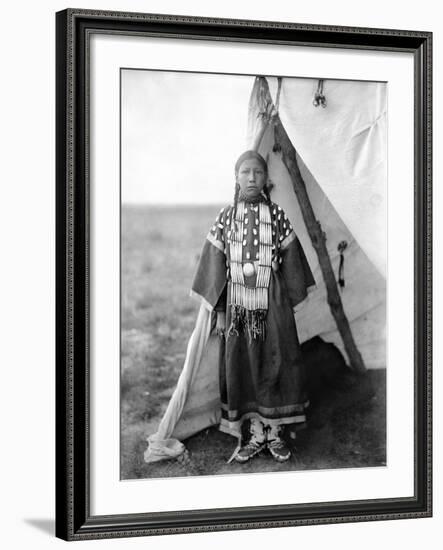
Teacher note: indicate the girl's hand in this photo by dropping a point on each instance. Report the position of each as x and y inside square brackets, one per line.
[220, 325]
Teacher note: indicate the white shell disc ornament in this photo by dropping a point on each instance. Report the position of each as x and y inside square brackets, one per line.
[248, 269]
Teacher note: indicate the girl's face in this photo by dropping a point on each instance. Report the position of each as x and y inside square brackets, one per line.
[251, 177]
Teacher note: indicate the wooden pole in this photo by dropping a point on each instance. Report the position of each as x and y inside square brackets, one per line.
[318, 238]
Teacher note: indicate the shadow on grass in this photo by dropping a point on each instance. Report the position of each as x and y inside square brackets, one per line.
[346, 428]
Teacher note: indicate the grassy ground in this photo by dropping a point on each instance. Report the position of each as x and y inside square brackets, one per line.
[160, 247]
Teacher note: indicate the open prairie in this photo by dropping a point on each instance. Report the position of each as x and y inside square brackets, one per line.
[159, 250]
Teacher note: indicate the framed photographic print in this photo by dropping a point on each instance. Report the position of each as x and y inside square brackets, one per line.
[243, 274]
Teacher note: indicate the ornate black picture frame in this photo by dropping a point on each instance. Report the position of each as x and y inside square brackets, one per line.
[74, 29]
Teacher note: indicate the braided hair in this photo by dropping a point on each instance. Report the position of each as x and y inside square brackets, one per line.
[234, 208]
[266, 192]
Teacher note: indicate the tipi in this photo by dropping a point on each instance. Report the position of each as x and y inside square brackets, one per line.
[339, 130]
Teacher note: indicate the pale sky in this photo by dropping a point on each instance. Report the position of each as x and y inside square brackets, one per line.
[181, 135]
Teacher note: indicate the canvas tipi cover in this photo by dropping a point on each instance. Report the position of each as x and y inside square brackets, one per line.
[341, 152]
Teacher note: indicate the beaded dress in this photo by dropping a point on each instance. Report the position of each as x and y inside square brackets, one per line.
[253, 267]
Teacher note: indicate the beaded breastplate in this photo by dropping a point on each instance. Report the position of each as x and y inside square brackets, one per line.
[250, 249]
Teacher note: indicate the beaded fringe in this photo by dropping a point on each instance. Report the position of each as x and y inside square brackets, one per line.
[251, 322]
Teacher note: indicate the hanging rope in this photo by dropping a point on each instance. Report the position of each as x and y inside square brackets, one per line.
[319, 97]
[342, 246]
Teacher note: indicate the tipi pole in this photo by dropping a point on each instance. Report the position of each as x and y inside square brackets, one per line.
[318, 238]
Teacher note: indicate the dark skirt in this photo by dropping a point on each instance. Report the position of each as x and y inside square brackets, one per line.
[263, 378]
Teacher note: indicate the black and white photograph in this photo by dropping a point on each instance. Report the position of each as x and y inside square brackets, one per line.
[253, 266]
[220, 231]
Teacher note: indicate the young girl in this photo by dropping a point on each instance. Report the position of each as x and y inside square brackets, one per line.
[253, 273]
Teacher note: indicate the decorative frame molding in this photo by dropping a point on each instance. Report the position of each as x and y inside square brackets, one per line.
[73, 30]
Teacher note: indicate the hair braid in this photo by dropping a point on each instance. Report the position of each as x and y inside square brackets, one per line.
[267, 194]
[234, 209]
